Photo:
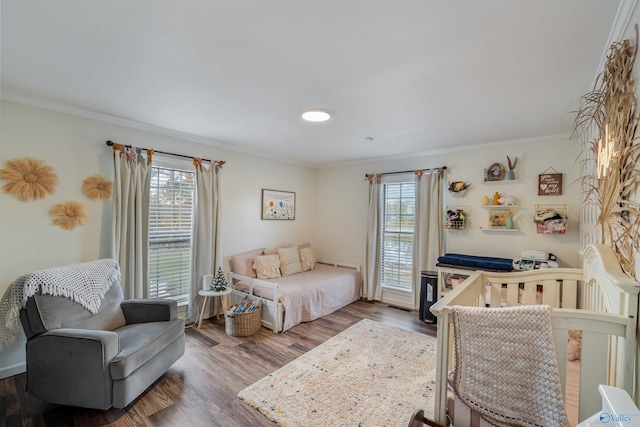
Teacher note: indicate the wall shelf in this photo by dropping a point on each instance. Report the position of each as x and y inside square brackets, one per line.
[501, 207]
[499, 230]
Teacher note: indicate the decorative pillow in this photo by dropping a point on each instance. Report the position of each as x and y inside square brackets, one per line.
[275, 251]
[243, 263]
[267, 266]
[308, 261]
[289, 261]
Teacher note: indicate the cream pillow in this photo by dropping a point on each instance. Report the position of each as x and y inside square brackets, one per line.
[267, 267]
[289, 261]
[308, 261]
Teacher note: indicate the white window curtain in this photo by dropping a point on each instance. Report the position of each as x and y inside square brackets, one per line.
[206, 230]
[371, 277]
[427, 237]
[131, 217]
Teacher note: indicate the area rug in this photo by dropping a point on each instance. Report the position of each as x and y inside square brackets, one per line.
[371, 374]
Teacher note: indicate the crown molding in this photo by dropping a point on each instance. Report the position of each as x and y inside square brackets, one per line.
[451, 150]
[118, 121]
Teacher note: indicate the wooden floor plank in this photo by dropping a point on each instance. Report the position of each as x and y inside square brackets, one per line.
[201, 388]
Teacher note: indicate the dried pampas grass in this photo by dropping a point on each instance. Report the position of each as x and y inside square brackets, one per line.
[610, 112]
[69, 215]
[97, 187]
[29, 178]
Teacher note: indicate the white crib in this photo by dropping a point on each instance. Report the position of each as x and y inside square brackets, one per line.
[599, 299]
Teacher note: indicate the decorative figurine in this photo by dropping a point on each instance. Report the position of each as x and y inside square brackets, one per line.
[219, 283]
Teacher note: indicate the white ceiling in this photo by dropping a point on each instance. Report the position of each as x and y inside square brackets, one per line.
[416, 76]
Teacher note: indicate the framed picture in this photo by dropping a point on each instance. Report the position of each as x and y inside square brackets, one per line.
[495, 172]
[498, 218]
[278, 204]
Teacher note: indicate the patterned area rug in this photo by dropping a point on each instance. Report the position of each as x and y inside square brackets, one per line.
[368, 375]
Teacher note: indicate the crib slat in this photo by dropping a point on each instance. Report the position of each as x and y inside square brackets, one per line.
[549, 293]
[529, 297]
[593, 372]
[569, 293]
[512, 294]
[496, 294]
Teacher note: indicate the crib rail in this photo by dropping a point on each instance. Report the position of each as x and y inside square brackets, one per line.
[606, 314]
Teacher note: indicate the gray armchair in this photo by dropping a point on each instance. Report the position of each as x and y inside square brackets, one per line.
[101, 360]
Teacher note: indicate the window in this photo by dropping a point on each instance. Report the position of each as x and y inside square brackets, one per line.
[170, 219]
[398, 220]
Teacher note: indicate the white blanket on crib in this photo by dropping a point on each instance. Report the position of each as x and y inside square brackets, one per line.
[506, 367]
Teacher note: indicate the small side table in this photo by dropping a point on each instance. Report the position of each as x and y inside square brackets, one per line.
[211, 293]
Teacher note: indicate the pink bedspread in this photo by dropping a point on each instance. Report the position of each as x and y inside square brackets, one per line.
[312, 294]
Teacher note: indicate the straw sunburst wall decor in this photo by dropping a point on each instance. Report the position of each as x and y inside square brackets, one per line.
[610, 112]
[97, 187]
[29, 178]
[69, 215]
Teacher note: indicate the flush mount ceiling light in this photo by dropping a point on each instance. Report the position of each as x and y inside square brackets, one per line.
[316, 115]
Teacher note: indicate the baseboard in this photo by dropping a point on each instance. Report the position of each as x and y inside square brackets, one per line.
[9, 371]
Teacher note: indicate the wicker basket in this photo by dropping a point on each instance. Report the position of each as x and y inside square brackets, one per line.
[243, 324]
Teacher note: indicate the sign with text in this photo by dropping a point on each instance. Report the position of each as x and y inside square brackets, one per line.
[550, 184]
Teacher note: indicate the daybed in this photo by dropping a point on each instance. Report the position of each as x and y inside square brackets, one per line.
[599, 299]
[296, 287]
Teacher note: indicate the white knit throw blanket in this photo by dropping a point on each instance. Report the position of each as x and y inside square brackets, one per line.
[506, 368]
[85, 283]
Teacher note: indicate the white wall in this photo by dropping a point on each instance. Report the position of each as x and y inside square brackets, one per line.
[76, 148]
[342, 199]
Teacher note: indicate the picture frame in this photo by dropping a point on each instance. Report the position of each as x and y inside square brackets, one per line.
[495, 172]
[278, 205]
[498, 218]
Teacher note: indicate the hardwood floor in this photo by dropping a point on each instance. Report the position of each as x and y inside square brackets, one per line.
[201, 388]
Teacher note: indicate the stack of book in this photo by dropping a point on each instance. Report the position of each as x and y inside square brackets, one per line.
[246, 306]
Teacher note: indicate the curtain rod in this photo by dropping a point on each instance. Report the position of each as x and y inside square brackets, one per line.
[443, 168]
[222, 162]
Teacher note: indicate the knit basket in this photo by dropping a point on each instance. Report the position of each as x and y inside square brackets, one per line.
[243, 324]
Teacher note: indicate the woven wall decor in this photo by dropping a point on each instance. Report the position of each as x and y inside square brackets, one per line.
[28, 178]
[97, 187]
[69, 215]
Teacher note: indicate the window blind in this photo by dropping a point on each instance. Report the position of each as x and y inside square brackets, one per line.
[397, 234]
[170, 225]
